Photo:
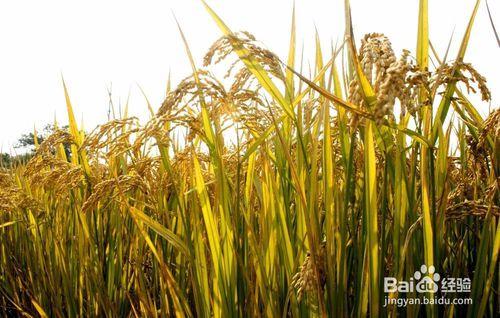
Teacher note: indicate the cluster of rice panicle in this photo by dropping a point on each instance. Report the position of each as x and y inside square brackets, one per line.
[184, 97]
[9, 193]
[478, 147]
[13, 197]
[48, 170]
[467, 183]
[112, 138]
[108, 190]
[491, 127]
[244, 94]
[464, 73]
[223, 47]
[386, 74]
[400, 79]
[306, 281]
[468, 208]
[462, 201]
[158, 129]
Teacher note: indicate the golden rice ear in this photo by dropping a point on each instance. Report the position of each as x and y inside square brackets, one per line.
[457, 72]
[305, 280]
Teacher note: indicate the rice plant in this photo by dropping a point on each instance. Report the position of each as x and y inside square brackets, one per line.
[270, 192]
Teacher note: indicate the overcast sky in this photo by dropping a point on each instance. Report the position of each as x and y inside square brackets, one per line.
[96, 44]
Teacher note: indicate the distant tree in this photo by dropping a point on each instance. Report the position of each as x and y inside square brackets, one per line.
[26, 143]
[5, 160]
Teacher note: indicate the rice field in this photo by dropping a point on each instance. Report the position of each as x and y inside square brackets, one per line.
[274, 191]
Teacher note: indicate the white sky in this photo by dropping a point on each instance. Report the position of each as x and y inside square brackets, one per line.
[131, 43]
